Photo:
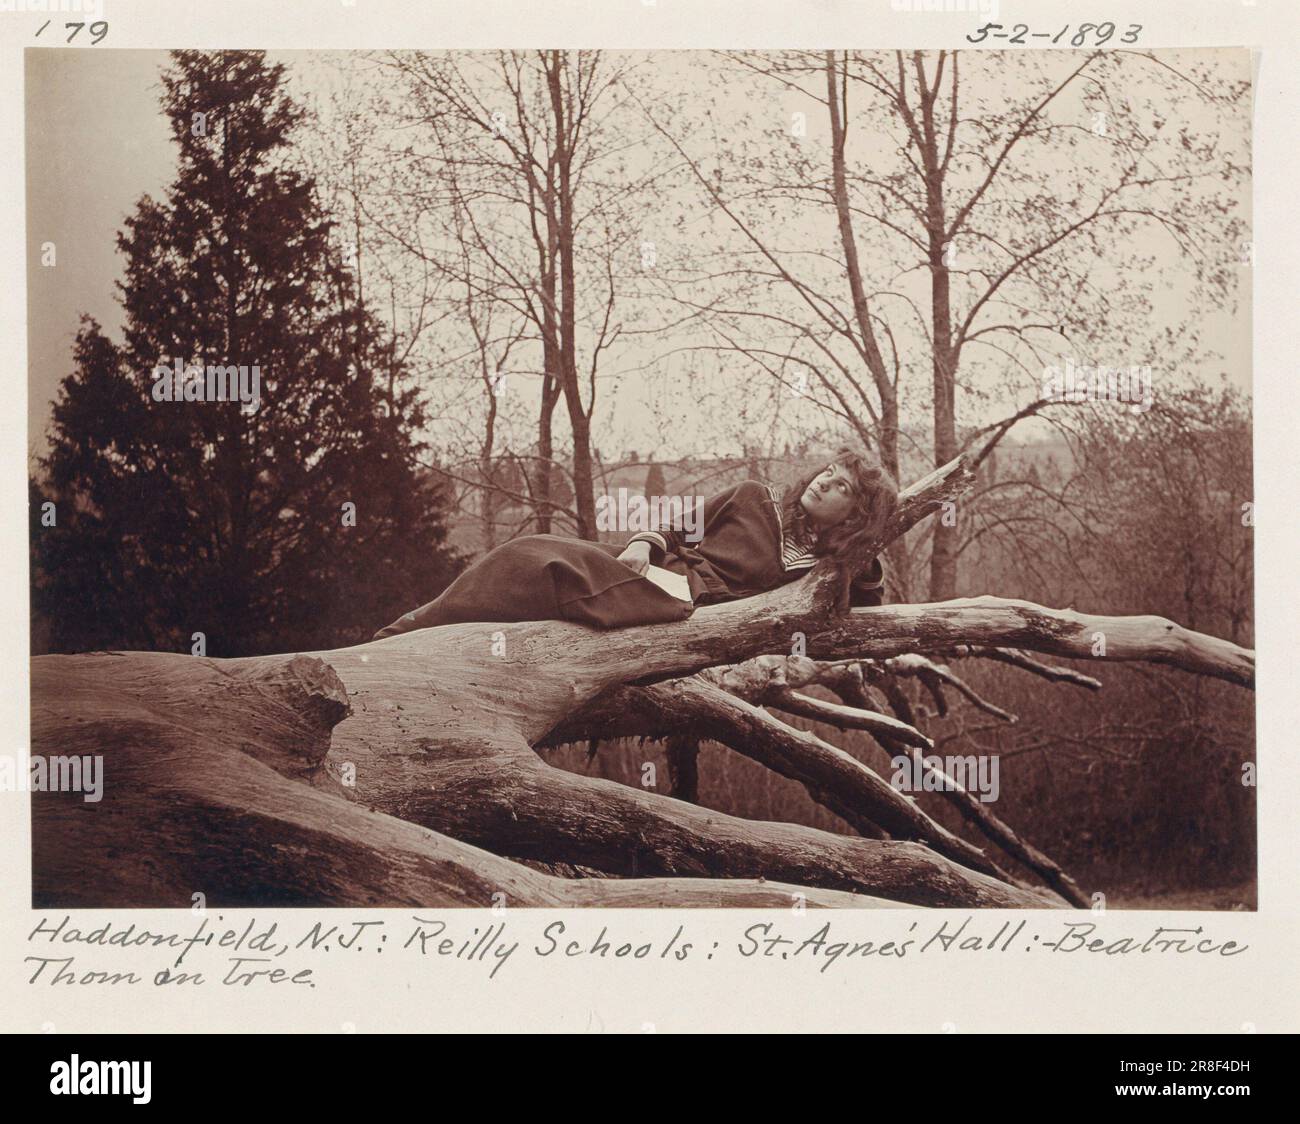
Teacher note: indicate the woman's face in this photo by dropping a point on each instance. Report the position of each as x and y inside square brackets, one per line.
[829, 498]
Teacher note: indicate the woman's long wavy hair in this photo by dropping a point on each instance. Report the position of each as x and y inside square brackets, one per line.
[875, 492]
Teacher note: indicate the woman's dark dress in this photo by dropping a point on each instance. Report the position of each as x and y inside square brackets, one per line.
[551, 577]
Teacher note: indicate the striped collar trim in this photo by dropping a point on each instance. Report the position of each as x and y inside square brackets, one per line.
[794, 556]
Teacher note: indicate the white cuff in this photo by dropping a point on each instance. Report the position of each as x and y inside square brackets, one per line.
[654, 538]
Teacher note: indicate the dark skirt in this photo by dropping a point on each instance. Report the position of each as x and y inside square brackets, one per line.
[547, 578]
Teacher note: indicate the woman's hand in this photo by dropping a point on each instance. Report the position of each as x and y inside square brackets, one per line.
[636, 556]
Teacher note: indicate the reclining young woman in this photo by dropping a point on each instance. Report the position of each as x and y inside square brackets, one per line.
[750, 540]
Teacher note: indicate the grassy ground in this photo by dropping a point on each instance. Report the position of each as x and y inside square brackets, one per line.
[1238, 897]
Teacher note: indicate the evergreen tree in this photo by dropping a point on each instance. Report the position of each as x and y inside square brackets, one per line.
[296, 520]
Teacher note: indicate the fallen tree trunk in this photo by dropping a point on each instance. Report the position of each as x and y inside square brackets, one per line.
[212, 786]
[831, 776]
[224, 778]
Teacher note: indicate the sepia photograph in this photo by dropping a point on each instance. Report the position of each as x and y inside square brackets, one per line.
[642, 478]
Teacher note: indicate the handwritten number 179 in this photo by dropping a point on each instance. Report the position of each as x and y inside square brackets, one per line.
[98, 30]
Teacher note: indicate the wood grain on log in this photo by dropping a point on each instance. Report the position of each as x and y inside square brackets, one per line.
[209, 789]
[831, 776]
